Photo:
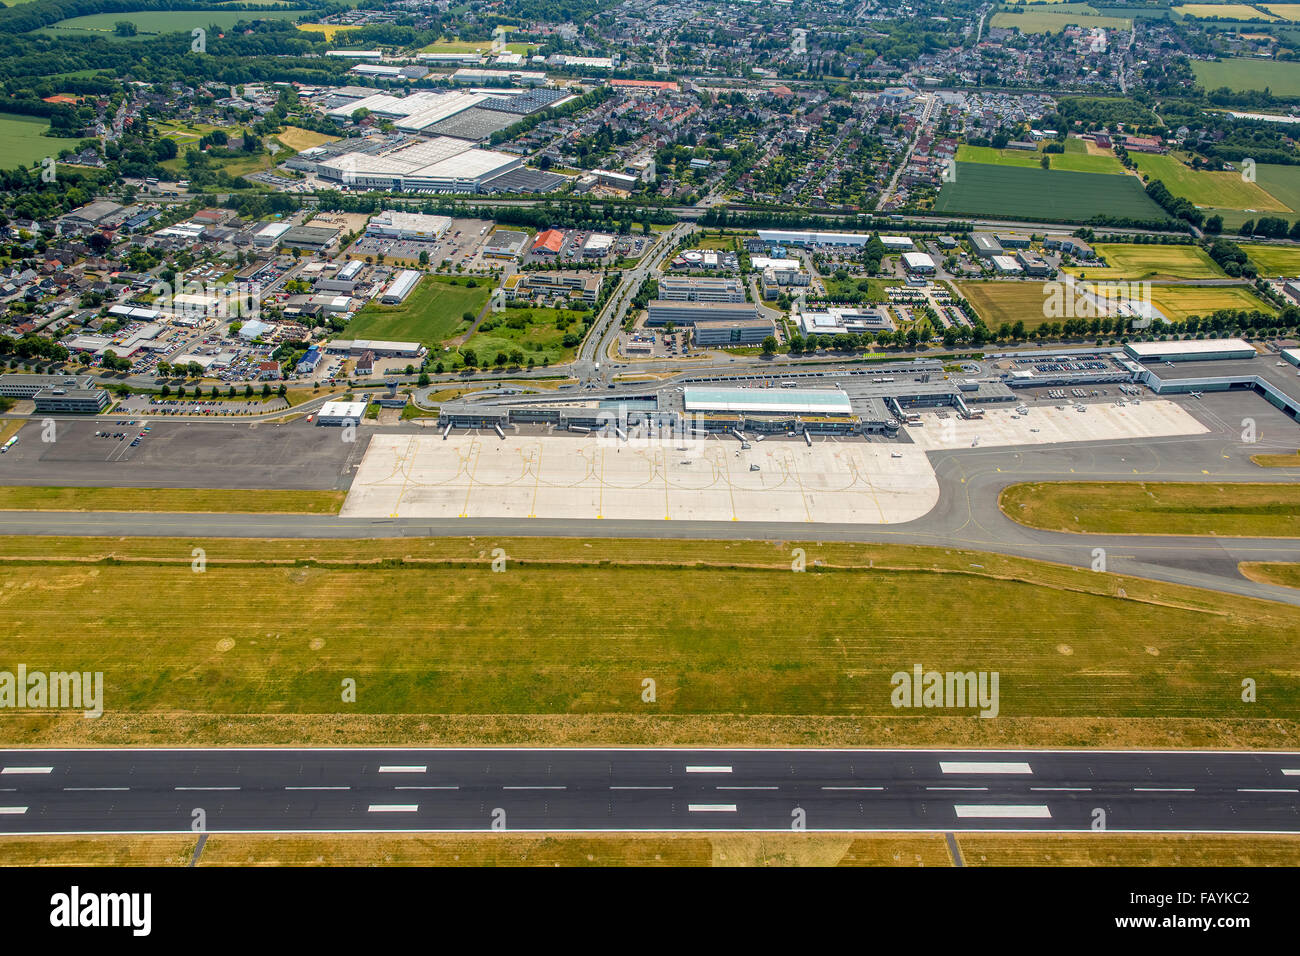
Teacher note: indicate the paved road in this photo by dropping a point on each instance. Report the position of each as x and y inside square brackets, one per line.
[134, 791]
[966, 516]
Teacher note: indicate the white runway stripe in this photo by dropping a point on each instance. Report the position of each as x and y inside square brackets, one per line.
[853, 788]
[1005, 812]
[711, 807]
[94, 789]
[974, 766]
[394, 807]
[403, 769]
[318, 788]
[1164, 789]
[207, 788]
[12, 770]
[690, 769]
[1267, 790]
[13, 810]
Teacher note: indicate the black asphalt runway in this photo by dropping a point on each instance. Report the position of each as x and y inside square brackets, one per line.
[272, 790]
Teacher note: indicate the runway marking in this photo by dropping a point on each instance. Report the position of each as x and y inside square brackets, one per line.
[534, 788]
[426, 788]
[1069, 789]
[956, 788]
[640, 788]
[1004, 811]
[690, 769]
[966, 766]
[318, 788]
[207, 788]
[13, 810]
[401, 769]
[711, 807]
[1164, 789]
[1291, 773]
[15, 770]
[1267, 790]
[853, 788]
[94, 789]
[747, 788]
[393, 807]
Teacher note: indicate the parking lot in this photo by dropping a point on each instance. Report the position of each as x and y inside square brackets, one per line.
[570, 476]
[181, 455]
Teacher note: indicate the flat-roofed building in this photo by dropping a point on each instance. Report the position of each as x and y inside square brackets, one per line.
[381, 348]
[986, 245]
[77, 401]
[310, 238]
[662, 312]
[733, 331]
[407, 225]
[919, 263]
[505, 244]
[582, 286]
[701, 289]
[341, 413]
[1190, 350]
[1006, 265]
[22, 385]
[798, 401]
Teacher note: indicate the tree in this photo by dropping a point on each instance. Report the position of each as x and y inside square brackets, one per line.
[124, 28]
[423, 380]
[282, 390]
[769, 345]
[469, 357]
[266, 389]
[248, 391]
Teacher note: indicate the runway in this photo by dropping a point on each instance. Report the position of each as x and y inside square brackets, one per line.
[414, 790]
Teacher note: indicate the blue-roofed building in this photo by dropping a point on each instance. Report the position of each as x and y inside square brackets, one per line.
[307, 364]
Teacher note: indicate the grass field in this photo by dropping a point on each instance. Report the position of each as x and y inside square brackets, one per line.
[1286, 575]
[1009, 192]
[1277, 461]
[11, 427]
[476, 46]
[1222, 189]
[1282, 77]
[1286, 11]
[1179, 302]
[654, 849]
[22, 498]
[1078, 162]
[156, 22]
[1141, 507]
[298, 139]
[1274, 261]
[1130, 261]
[1128, 849]
[998, 302]
[22, 140]
[1061, 16]
[431, 314]
[538, 339]
[1281, 182]
[253, 649]
[1223, 11]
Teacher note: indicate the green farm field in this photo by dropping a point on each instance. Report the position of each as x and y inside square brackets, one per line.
[1205, 188]
[1273, 261]
[445, 651]
[1070, 161]
[1061, 15]
[1239, 74]
[1009, 191]
[1130, 261]
[155, 22]
[22, 142]
[431, 314]
[1142, 507]
[1180, 302]
[1010, 302]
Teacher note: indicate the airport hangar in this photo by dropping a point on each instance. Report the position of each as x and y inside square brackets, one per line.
[866, 407]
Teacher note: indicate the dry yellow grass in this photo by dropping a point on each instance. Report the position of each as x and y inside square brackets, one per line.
[568, 849]
[298, 139]
[1285, 575]
[229, 656]
[192, 500]
[1277, 461]
[10, 428]
[1128, 849]
[107, 850]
